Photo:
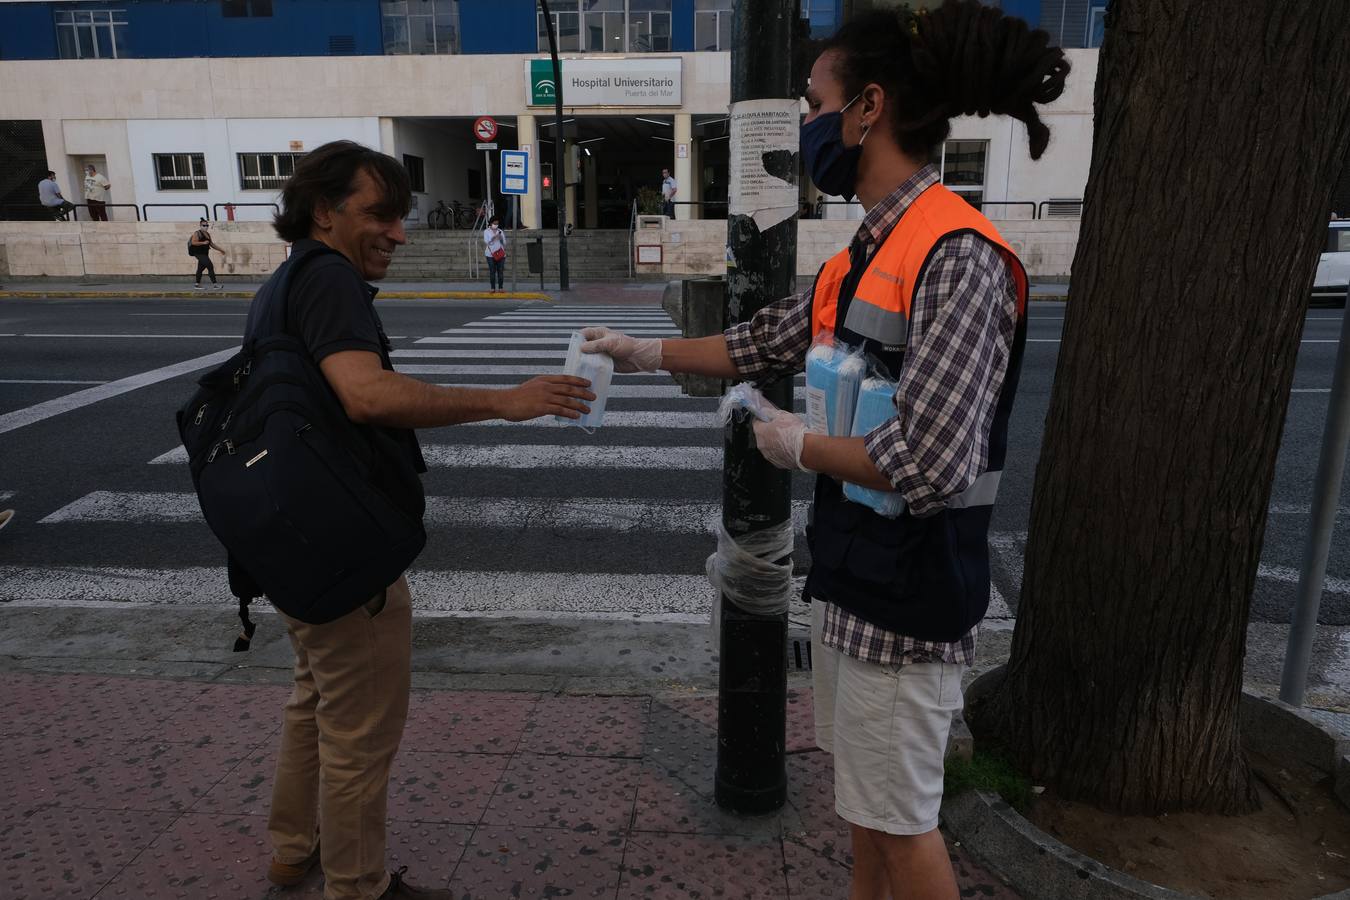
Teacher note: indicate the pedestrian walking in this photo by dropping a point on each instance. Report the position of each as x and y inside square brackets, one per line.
[344, 720]
[96, 193]
[49, 195]
[669, 188]
[494, 248]
[200, 246]
[928, 288]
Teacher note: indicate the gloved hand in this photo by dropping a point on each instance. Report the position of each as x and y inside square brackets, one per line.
[630, 354]
[781, 438]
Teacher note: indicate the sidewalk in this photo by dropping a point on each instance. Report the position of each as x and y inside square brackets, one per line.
[141, 788]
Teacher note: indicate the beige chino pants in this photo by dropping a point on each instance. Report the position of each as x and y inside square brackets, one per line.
[343, 725]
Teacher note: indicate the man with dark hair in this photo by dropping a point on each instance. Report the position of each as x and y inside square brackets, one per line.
[345, 719]
[49, 195]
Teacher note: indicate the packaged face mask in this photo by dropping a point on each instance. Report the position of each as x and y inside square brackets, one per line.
[833, 374]
[598, 368]
[876, 404]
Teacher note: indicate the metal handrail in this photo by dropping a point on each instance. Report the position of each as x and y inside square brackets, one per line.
[74, 217]
[131, 206]
[146, 207]
[215, 207]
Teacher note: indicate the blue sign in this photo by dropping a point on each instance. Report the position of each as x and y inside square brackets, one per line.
[515, 172]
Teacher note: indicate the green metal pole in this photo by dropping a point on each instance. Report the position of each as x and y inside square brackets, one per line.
[559, 197]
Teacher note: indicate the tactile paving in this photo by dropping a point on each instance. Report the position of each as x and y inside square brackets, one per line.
[818, 865]
[200, 857]
[801, 721]
[82, 707]
[682, 800]
[466, 721]
[702, 866]
[246, 790]
[578, 793]
[430, 850]
[538, 862]
[587, 726]
[443, 787]
[57, 852]
[810, 794]
[239, 716]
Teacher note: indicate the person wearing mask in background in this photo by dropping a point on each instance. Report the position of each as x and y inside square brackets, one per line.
[201, 247]
[930, 290]
[96, 194]
[49, 195]
[494, 248]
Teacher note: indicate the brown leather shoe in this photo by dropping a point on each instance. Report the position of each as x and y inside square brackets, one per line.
[288, 875]
[401, 890]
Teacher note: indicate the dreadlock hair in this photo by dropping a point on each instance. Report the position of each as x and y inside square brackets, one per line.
[962, 59]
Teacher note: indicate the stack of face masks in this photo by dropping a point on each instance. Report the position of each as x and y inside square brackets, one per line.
[598, 368]
[833, 375]
[876, 404]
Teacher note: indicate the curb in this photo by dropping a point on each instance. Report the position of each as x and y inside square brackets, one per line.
[248, 295]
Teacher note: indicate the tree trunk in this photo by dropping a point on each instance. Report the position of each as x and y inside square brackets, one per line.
[1220, 130]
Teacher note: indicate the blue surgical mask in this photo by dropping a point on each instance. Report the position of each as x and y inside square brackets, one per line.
[832, 166]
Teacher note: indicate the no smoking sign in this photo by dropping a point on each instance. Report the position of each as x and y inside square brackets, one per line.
[485, 128]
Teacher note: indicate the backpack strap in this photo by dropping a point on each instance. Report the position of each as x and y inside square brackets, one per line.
[272, 319]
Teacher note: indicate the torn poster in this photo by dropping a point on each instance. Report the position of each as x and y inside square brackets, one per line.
[765, 135]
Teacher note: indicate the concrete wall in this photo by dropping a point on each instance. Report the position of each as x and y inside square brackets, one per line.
[1046, 247]
[76, 249]
[448, 157]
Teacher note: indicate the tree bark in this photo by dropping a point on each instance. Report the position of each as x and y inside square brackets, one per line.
[1220, 131]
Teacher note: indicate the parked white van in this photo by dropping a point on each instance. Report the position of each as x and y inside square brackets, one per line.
[1333, 271]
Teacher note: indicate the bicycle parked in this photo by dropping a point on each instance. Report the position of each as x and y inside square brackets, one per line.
[456, 215]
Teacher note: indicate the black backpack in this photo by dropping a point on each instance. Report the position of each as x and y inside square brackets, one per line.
[195, 250]
[315, 511]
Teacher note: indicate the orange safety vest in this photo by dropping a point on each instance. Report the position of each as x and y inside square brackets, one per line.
[926, 578]
[881, 303]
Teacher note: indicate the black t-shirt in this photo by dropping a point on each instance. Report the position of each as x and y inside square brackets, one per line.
[331, 308]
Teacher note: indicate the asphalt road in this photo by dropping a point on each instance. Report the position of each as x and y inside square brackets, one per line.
[523, 518]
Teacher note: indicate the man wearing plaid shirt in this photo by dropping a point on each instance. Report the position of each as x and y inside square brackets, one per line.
[895, 602]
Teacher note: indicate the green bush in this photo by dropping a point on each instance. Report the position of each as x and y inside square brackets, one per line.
[989, 773]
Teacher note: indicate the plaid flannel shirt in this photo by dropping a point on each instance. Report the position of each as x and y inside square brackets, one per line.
[961, 326]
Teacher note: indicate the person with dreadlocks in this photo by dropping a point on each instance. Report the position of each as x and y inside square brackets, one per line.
[931, 291]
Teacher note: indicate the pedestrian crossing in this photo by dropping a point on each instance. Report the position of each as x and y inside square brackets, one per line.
[529, 519]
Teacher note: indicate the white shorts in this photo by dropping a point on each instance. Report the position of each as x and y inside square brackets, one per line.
[888, 733]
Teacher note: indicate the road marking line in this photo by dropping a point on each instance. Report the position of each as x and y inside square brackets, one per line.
[29, 415]
[683, 599]
[546, 456]
[189, 315]
[46, 381]
[1310, 391]
[559, 355]
[559, 341]
[5, 495]
[497, 335]
[525, 513]
[616, 391]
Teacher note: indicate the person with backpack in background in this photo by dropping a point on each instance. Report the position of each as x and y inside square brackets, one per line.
[305, 461]
[931, 291]
[200, 246]
[494, 248]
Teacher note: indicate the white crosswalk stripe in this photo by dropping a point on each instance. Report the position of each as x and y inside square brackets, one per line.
[641, 514]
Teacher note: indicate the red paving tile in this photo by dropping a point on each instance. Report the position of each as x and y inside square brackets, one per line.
[466, 721]
[443, 787]
[701, 865]
[59, 853]
[538, 862]
[497, 794]
[587, 726]
[577, 793]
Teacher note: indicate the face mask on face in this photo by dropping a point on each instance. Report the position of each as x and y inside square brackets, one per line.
[832, 166]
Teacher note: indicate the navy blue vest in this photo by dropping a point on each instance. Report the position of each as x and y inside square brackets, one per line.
[926, 578]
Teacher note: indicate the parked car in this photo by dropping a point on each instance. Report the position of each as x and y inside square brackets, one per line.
[1333, 271]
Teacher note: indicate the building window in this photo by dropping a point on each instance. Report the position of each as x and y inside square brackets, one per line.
[962, 167]
[416, 172]
[1096, 30]
[649, 26]
[712, 25]
[610, 26]
[92, 34]
[180, 172]
[567, 29]
[266, 171]
[420, 26]
[823, 16]
[239, 9]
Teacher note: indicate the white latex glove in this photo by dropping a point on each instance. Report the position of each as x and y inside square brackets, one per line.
[630, 354]
[780, 440]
